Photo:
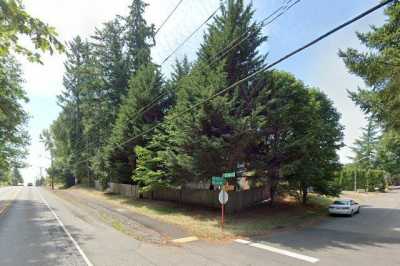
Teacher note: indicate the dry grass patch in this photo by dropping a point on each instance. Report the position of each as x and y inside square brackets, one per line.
[205, 223]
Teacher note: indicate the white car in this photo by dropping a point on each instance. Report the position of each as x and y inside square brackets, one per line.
[344, 207]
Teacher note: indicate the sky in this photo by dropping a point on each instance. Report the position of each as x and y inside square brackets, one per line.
[318, 66]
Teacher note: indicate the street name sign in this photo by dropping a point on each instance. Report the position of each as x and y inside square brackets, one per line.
[228, 175]
[217, 180]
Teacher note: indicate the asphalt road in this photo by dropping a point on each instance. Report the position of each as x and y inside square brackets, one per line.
[29, 234]
[369, 238]
[39, 228]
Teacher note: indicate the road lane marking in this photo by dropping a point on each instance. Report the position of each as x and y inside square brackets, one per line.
[3, 211]
[241, 241]
[397, 229]
[278, 251]
[185, 239]
[85, 258]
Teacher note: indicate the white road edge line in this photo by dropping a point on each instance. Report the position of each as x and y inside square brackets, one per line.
[278, 251]
[185, 239]
[85, 258]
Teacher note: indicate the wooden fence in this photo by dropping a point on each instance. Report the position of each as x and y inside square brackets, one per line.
[238, 200]
[127, 190]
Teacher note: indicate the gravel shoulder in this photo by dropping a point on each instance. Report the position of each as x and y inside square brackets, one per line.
[140, 227]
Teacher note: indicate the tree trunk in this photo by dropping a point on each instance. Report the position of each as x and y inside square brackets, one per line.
[304, 194]
[271, 195]
[304, 200]
[274, 179]
[272, 192]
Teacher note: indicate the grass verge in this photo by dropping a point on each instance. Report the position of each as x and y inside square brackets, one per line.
[205, 223]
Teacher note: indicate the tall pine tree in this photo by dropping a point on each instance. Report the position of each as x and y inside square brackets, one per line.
[210, 139]
[76, 78]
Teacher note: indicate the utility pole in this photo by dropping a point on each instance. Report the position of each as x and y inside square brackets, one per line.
[52, 176]
[41, 175]
[355, 180]
[51, 165]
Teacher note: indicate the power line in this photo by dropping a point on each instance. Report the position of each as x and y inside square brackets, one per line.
[323, 36]
[284, 9]
[221, 53]
[318, 39]
[143, 109]
[168, 17]
[246, 35]
[190, 36]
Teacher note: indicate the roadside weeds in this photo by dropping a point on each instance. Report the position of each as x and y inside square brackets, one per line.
[262, 219]
[286, 214]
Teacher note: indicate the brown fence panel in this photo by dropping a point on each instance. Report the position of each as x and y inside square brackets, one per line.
[200, 197]
[97, 185]
[115, 188]
[167, 194]
[238, 200]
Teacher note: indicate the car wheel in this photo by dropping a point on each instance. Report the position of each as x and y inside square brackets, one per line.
[358, 211]
[352, 213]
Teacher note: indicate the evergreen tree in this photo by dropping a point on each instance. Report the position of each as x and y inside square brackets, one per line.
[209, 140]
[222, 122]
[76, 79]
[136, 115]
[103, 96]
[61, 169]
[138, 36]
[162, 162]
[388, 153]
[16, 177]
[96, 85]
[379, 67]
[365, 148]
[108, 48]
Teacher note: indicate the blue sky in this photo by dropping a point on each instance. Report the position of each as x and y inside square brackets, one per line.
[318, 66]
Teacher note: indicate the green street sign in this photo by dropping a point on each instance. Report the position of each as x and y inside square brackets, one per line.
[228, 175]
[217, 180]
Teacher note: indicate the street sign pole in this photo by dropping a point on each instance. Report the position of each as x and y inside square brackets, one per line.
[223, 196]
[222, 216]
[222, 208]
[223, 199]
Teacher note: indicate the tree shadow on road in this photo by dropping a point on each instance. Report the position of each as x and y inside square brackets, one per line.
[31, 235]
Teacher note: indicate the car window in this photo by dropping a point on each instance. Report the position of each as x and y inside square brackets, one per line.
[340, 202]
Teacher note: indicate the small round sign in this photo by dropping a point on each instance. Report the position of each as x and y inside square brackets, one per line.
[223, 197]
